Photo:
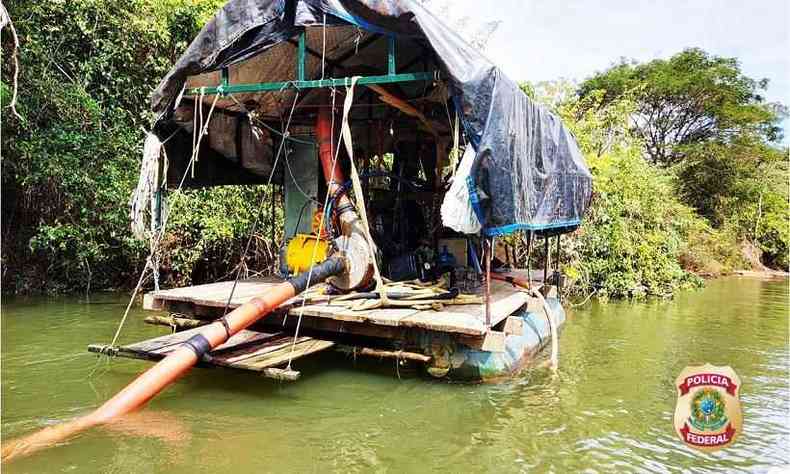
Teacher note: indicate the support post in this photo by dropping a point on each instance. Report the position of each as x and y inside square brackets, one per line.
[391, 55]
[488, 248]
[529, 257]
[300, 58]
[547, 260]
[557, 275]
[224, 76]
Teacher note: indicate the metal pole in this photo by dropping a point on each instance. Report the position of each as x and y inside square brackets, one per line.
[489, 251]
[547, 260]
[529, 257]
[224, 76]
[557, 278]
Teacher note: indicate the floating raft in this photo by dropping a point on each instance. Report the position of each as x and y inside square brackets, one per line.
[466, 320]
[451, 341]
[248, 350]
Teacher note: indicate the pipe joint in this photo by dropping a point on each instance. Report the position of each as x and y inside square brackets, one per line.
[199, 345]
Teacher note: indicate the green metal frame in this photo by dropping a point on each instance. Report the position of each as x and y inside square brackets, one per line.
[225, 87]
[300, 58]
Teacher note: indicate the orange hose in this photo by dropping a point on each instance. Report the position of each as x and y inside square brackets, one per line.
[323, 134]
[333, 174]
[148, 384]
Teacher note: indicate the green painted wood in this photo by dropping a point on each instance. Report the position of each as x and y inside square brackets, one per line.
[391, 55]
[300, 58]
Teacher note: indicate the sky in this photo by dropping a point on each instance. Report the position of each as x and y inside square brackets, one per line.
[541, 40]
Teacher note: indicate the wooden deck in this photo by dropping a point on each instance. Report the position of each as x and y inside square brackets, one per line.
[467, 320]
[247, 350]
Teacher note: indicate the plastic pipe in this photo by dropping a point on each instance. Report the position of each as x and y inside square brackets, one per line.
[148, 384]
[332, 171]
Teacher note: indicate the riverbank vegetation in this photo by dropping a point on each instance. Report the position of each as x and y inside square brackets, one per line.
[689, 176]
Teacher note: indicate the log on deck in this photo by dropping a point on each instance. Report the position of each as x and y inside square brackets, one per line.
[246, 350]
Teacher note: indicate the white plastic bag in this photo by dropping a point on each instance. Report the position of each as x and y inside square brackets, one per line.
[457, 211]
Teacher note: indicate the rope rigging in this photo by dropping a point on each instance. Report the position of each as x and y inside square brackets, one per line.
[320, 230]
[159, 234]
[260, 206]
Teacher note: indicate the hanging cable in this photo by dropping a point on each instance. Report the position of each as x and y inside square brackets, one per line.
[158, 236]
[552, 320]
[320, 230]
[258, 214]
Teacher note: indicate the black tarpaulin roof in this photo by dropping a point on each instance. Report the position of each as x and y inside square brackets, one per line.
[528, 172]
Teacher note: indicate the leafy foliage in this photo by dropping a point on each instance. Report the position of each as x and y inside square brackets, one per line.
[632, 239]
[741, 186]
[69, 167]
[88, 67]
[702, 116]
[689, 98]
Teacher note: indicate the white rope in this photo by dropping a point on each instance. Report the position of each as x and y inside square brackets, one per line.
[158, 237]
[550, 316]
[131, 301]
[320, 231]
[358, 194]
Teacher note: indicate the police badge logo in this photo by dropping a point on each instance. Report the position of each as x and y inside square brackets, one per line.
[708, 411]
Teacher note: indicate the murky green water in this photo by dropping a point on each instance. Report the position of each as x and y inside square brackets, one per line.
[610, 408]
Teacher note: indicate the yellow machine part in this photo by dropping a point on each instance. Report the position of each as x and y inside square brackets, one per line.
[300, 251]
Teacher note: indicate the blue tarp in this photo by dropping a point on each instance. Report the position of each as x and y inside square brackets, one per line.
[528, 172]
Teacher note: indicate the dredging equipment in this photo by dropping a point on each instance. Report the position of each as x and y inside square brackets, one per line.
[348, 266]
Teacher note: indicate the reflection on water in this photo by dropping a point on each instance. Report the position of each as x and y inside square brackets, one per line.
[609, 409]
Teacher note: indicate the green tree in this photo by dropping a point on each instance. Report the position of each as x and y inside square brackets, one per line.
[692, 97]
[741, 186]
[702, 117]
[69, 166]
[637, 232]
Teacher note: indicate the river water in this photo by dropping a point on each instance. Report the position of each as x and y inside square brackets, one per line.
[609, 408]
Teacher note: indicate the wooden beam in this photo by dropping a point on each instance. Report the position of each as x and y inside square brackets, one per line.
[171, 321]
[405, 107]
[385, 354]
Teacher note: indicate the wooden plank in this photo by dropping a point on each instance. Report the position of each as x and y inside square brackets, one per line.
[161, 342]
[167, 343]
[285, 354]
[215, 294]
[514, 326]
[246, 350]
[390, 316]
[151, 302]
[340, 313]
[494, 341]
[506, 306]
[261, 350]
[457, 319]
[446, 321]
